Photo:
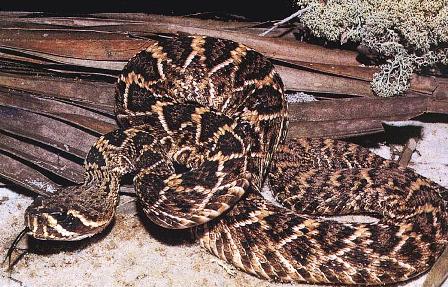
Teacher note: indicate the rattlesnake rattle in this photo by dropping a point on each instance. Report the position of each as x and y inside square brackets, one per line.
[203, 125]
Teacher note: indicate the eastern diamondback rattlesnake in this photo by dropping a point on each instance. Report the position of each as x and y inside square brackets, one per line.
[203, 123]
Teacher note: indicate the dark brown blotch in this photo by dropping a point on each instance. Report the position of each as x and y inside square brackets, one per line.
[361, 276]
[140, 99]
[95, 156]
[143, 64]
[148, 187]
[281, 227]
[393, 269]
[141, 139]
[305, 274]
[384, 240]
[330, 274]
[265, 100]
[176, 114]
[116, 138]
[410, 250]
[300, 250]
[204, 176]
[120, 89]
[228, 144]
[217, 51]
[186, 202]
[253, 66]
[147, 159]
[177, 48]
[210, 124]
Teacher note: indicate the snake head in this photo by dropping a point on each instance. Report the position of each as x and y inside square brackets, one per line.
[51, 218]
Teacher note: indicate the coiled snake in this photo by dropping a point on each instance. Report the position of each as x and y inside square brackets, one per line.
[203, 123]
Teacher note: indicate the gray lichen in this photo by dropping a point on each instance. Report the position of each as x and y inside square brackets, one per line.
[408, 34]
[393, 79]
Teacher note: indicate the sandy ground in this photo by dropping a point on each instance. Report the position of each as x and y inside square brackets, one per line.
[134, 252]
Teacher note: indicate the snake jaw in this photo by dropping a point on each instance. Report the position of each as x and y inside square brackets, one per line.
[49, 222]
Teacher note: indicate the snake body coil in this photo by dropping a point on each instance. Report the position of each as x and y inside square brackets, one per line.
[203, 123]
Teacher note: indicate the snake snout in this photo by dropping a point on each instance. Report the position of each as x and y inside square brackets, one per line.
[47, 221]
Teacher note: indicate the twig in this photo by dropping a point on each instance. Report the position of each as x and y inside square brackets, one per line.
[438, 273]
[407, 152]
[292, 16]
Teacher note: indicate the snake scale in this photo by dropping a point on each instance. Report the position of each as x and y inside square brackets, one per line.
[203, 124]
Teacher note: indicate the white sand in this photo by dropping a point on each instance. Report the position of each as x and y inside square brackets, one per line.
[135, 253]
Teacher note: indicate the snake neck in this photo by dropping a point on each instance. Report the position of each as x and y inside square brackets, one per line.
[104, 166]
[105, 188]
[102, 187]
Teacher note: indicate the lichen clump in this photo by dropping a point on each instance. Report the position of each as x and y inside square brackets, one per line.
[408, 35]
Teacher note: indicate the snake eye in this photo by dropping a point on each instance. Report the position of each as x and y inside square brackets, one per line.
[59, 215]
